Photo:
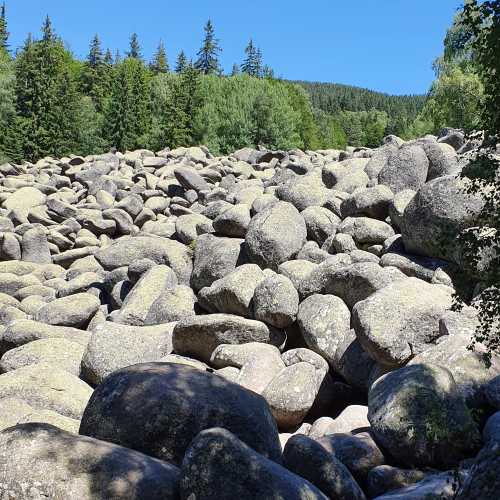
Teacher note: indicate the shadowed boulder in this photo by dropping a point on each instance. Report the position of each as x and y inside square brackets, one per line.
[158, 408]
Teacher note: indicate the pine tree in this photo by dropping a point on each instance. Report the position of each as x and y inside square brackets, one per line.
[160, 61]
[4, 34]
[179, 113]
[127, 118]
[208, 60]
[95, 57]
[251, 63]
[96, 75]
[47, 99]
[108, 58]
[118, 57]
[135, 49]
[181, 63]
[47, 31]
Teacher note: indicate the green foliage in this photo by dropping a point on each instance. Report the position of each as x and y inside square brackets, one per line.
[48, 34]
[175, 102]
[252, 65]
[4, 34]
[134, 51]
[330, 132]
[181, 63]
[454, 99]
[96, 75]
[160, 61]
[126, 121]
[481, 245]
[208, 59]
[7, 105]
[246, 111]
[47, 98]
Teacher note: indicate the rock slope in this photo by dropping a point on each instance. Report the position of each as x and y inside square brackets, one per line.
[267, 324]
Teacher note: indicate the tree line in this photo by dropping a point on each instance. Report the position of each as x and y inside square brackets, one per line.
[52, 103]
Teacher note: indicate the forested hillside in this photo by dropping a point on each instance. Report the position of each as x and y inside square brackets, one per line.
[52, 103]
[344, 100]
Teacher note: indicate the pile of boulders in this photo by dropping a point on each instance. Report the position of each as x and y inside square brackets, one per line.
[263, 325]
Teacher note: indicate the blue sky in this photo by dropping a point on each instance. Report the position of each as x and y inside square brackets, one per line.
[385, 45]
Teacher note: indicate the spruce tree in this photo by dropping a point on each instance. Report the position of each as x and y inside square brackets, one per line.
[118, 58]
[236, 70]
[181, 63]
[108, 58]
[135, 49]
[47, 30]
[95, 78]
[180, 112]
[127, 119]
[4, 34]
[249, 64]
[95, 57]
[208, 59]
[47, 99]
[159, 64]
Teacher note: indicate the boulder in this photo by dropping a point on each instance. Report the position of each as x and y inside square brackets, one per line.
[123, 251]
[24, 199]
[398, 205]
[418, 416]
[275, 235]
[320, 223]
[216, 458]
[159, 408]
[406, 169]
[468, 367]
[41, 461]
[359, 452]
[198, 336]
[483, 482]
[35, 247]
[292, 393]
[276, 301]
[214, 258]
[438, 212]
[73, 310]
[113, 346]
[57, 352]
[152, 285]
[15, 411]
[308, 459]
[23, 331]
[233, 293]
[233, 222]
[357, 282]
[323, 321]
[372, 202]
[46, 387]
[443, 159]
[366, 230]
[303, 192]
[386, 478]
[173, 305]
[400, 320]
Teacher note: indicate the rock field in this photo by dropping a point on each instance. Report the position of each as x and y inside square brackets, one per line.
[263, 325]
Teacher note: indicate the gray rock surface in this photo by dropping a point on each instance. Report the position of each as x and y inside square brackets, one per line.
[41, 461]
[159, 408]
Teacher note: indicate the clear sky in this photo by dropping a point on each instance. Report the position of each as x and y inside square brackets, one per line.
[385, 45]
